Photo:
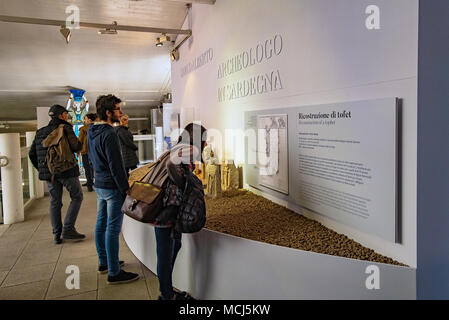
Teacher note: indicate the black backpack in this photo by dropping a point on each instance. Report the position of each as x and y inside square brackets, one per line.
[192, 211]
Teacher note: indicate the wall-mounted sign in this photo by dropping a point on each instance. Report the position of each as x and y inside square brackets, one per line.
[342, 162]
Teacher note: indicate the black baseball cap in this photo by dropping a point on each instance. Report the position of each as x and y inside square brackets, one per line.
[56, 110]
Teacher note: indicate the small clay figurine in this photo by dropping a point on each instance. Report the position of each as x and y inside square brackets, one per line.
[213, 173]
[230, 176]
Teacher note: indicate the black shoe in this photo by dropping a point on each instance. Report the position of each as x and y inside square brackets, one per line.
[58, 239]
[84, 184]
[182, 295]
[178, 296]
[123, 277]
[72, 235]
[90, 189]
[104, 269]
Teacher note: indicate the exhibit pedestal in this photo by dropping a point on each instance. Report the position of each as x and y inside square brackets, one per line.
[213, 265]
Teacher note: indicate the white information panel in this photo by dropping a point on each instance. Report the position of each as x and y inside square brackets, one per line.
[342, 161]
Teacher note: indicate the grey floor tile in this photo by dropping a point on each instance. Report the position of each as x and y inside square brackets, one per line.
[73, 253]
[29, 274]
[7, 262]
[136, 290]
[27, 225]
[40, 235]
[28, 291]
[57, 289]
[91, 295]
[11, 237]
[42, 244]
[127, 255]
[3, 228]
[33, 258]
[153, 287]
[3, 275]
[147, 272]
[12, 249]
[85, 264]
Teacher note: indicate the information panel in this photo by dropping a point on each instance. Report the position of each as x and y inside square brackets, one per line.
[342, 162]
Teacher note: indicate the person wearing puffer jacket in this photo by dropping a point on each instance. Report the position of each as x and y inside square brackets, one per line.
[127, 145]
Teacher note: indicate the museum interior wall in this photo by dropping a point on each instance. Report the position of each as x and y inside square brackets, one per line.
[306, 53]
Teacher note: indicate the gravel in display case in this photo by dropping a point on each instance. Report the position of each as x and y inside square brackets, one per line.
[242, 213]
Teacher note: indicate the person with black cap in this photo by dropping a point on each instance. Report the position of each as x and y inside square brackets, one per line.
[68, 178]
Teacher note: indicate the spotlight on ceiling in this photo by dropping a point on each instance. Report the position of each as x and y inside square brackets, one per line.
[107, 31]
[66, 34]
[174, 55]
[112, 30]
[162, 39]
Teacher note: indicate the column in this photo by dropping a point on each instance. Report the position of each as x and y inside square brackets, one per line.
[12, 190]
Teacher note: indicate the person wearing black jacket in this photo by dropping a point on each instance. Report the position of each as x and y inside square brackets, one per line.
[127, 145]
[111, 185]
[69, 178]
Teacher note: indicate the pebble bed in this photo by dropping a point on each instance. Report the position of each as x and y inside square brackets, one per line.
[243, 214]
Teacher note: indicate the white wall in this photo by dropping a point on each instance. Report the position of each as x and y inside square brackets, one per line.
[328, 56]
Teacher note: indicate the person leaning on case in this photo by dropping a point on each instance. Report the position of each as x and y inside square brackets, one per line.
[68, 179]
[171, 176]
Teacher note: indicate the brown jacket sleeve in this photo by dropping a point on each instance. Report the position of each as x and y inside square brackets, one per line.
[74, 143]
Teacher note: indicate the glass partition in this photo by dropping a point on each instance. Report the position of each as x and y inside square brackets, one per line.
[146, 144]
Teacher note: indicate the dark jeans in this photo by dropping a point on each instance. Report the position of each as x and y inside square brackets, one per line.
[88, 170]
[130, 169]
[167, 249]
[108, 227]
[73, 186]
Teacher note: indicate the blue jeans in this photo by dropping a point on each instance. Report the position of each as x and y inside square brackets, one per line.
[109, 225]
[167, 249]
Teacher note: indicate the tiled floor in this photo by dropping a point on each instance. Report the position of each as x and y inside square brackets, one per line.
[33, 267]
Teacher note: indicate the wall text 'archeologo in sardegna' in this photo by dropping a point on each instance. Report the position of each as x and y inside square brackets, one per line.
[257, 84]
[263, 51]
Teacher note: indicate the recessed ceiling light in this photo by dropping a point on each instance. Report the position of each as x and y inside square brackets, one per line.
[112, 30]
[107, 31]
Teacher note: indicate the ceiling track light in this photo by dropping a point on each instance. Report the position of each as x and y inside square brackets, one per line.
[111, 30]
[66, 33]
[160, 40]
[174, 55]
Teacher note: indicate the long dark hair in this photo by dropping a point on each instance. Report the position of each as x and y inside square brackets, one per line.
[192, 132]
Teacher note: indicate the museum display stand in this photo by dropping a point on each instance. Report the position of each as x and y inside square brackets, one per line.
[214, 265]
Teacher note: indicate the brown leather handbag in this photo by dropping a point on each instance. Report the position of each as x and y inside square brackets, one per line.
[143, 202]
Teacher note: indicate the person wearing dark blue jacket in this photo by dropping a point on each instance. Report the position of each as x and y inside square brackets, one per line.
[111, 184]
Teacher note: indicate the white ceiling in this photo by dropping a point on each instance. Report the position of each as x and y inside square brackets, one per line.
[36, 64]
